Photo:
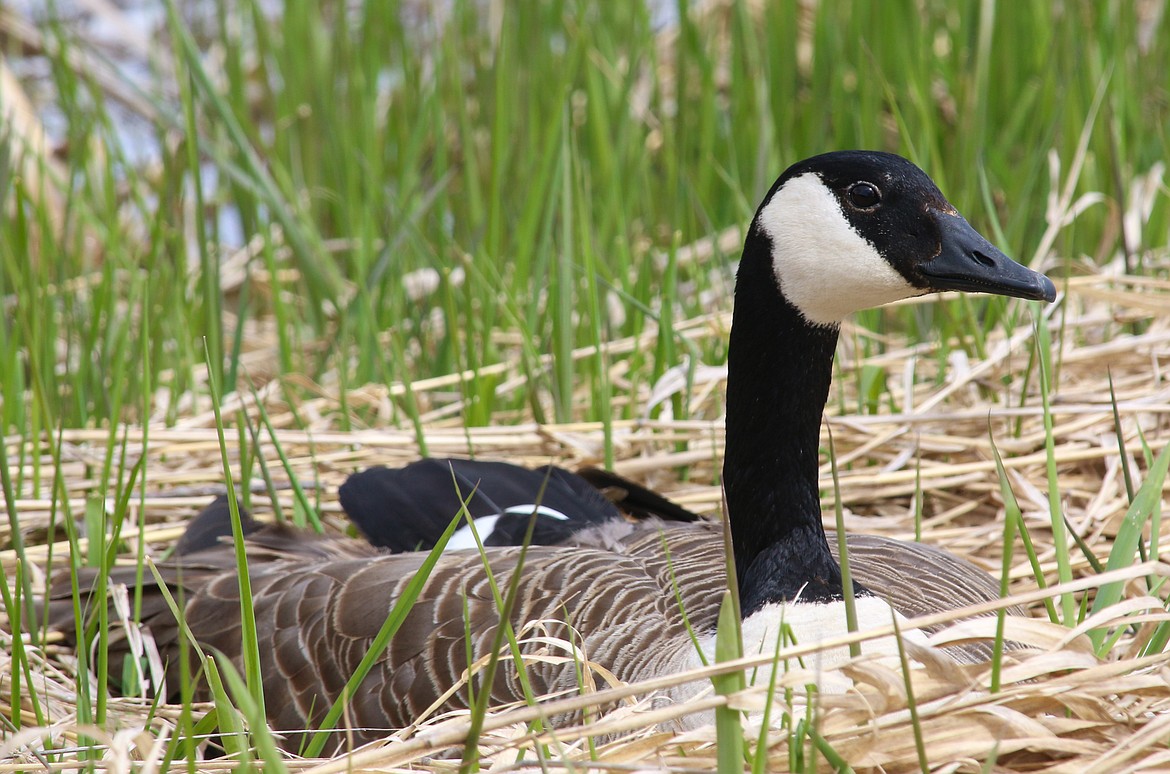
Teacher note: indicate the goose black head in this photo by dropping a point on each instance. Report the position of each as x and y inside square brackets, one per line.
[850, 230]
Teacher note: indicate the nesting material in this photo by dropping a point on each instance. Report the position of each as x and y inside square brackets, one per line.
[1060, 706]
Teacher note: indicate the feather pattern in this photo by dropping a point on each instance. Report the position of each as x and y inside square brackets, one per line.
[320, 601]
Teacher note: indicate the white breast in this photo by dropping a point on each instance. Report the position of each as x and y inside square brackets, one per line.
[806, 623]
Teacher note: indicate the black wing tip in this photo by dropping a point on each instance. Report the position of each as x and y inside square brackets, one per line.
[212, 525]
[638, 501]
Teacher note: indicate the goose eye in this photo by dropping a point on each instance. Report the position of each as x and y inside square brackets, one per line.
[864, 195]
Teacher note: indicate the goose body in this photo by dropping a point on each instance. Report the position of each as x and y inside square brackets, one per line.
[836, 233]
[597, 508]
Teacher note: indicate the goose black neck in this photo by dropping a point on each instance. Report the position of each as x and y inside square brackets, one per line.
[779, 370]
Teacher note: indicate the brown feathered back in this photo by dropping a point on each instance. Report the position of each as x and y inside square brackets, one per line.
[319, 602]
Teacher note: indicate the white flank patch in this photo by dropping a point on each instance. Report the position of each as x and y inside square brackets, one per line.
[543, 510]
[463, 537]
[808, 623]
[484, 525]
[824, 267]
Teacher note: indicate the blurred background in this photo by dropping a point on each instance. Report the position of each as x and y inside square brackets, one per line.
[349, 194]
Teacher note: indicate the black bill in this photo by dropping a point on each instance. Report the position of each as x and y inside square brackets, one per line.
[968, 262]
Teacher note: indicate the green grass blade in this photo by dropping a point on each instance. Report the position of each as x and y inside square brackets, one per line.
[250, 642]
[1068, 604]
[381, 640]
[843, 552]
[1137, 517]
[1011, 517]
[728, 723]
[911, 703]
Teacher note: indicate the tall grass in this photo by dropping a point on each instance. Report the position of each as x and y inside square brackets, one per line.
[412, 194]
[531, 158]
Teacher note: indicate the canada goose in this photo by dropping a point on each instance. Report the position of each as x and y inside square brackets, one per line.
[835, 234]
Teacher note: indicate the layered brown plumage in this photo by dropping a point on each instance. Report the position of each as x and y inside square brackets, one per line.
[319, 601]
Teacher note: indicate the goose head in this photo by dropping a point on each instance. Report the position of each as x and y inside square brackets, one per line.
[851, 230]
[837, 233]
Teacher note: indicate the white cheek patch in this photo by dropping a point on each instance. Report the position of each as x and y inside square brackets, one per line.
[823, 266]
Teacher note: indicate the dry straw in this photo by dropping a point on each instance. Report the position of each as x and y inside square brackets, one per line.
[1060, 707]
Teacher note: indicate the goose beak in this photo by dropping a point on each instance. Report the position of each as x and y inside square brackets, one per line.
[968, 262]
